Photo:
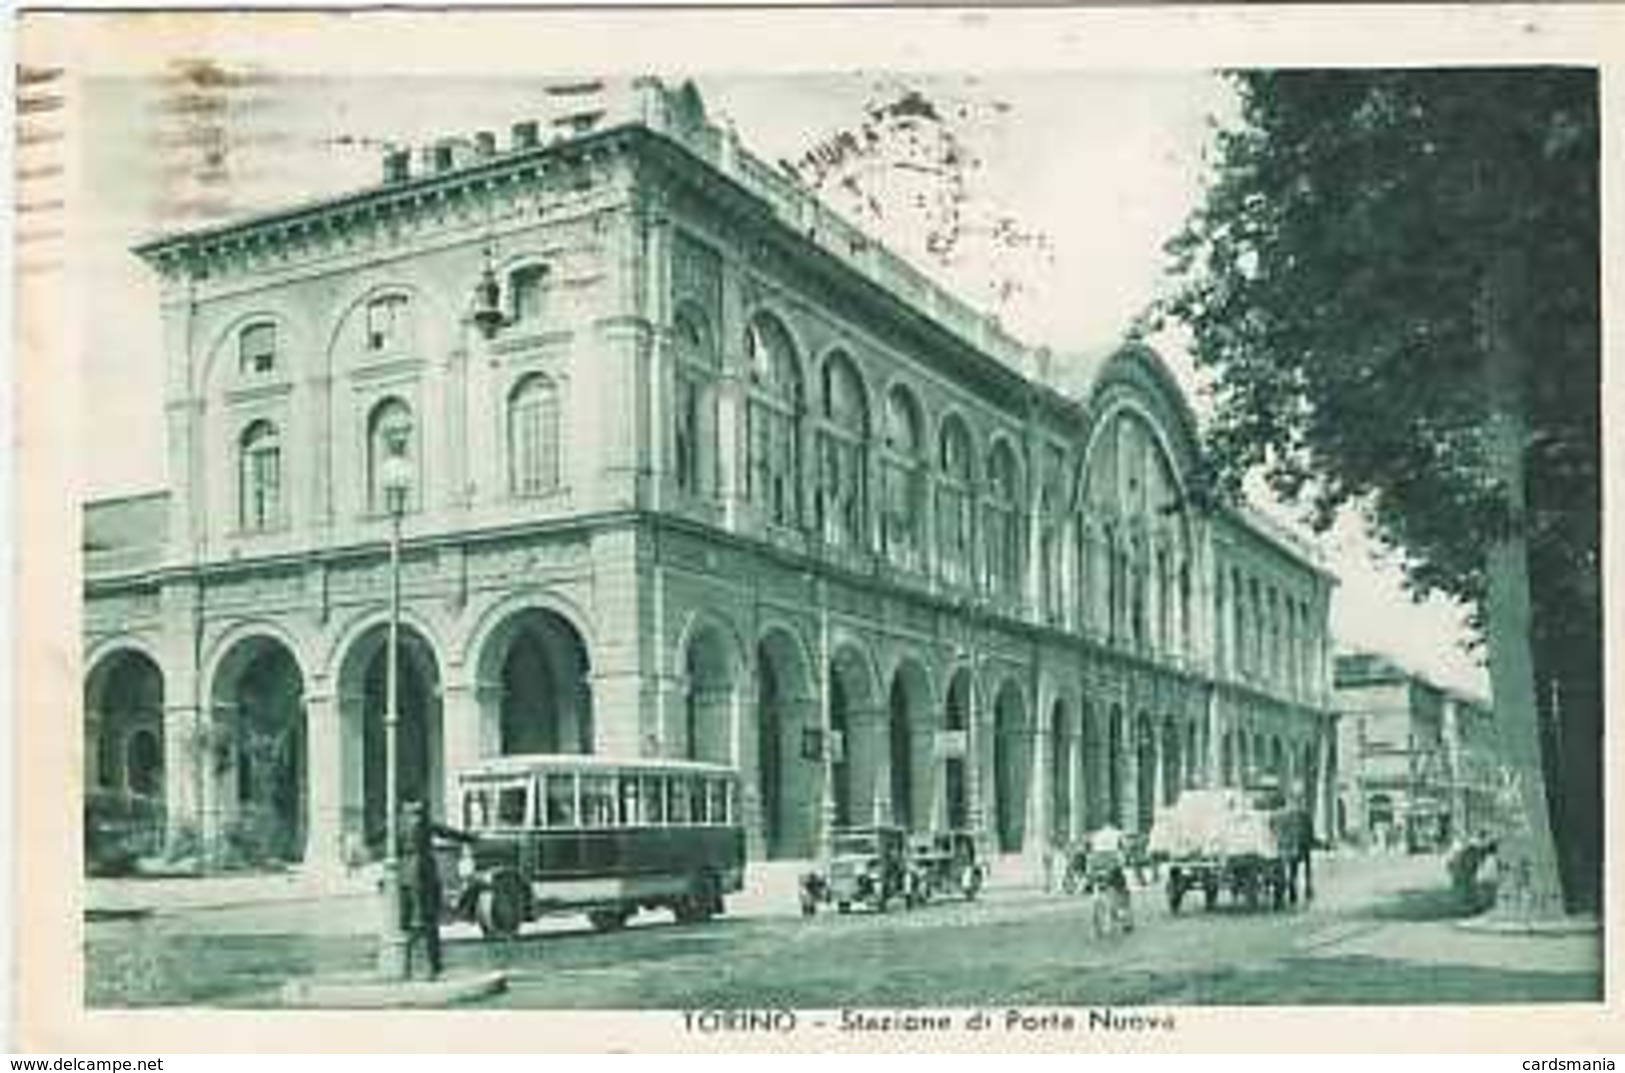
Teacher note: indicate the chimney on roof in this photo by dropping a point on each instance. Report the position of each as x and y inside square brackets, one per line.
[397, 165]
[485, 144]
[526, 134]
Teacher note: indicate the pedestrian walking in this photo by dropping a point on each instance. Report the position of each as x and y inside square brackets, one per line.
[420, 883]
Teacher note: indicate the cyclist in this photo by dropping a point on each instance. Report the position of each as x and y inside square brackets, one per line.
[1108, 877]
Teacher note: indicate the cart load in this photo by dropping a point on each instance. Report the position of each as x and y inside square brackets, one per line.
[1225, 840]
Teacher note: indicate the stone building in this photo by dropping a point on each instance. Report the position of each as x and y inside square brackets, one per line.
[1419, 763]
[699, 470]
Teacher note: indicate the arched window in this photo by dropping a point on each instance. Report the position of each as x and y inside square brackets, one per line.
[389, 430]
[695, 417]
[903, 479]
[259, 492]
[534, 465]
[955, 503]
[1052, 543]
[842, 500]
[773, 420]
[256, 349]
[1005, 558]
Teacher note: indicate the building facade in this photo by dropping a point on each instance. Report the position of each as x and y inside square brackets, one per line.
[1419, 763]
[698, 470]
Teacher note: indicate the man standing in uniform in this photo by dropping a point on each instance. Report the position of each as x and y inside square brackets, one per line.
[420, 882]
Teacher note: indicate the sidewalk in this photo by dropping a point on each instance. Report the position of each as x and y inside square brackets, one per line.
[181, 893]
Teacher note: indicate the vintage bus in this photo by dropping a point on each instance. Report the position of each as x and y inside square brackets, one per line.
[588, 834]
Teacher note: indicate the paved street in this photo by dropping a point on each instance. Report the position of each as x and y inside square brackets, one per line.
[1381, 931]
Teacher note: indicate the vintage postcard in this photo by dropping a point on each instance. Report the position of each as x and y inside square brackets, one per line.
[822, 529]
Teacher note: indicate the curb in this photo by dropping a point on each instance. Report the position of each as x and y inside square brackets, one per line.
[1558, 926]
[371, 993]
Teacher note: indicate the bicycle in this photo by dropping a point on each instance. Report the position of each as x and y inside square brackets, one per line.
[1111, 909]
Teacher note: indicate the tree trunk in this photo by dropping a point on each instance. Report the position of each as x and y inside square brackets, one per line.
[1530, 886]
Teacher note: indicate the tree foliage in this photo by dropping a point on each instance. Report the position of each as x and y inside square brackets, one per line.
[1332, 283]
[1336, 284]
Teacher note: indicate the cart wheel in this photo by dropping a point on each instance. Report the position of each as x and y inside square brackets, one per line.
[1210, 895]
[843, 907]
[1176, 891]
[972, 883]
[608, 919]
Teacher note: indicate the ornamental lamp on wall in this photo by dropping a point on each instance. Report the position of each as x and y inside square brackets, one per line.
[488, 316]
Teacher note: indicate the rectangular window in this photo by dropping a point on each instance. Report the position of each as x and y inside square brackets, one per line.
[654, 800]
[631, 802]
[525, 290]
[561, 800]
[679, 810]
[387, 322]
[257, 349]
[597, 801]
[476, 810]
[512, 806]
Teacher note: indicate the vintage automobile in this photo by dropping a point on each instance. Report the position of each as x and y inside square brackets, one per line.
[945, 863]
[868, 866]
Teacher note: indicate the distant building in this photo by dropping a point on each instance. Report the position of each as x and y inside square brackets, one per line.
[698, 470]
[1417, 763]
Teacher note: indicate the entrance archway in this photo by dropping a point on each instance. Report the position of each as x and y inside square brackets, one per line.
[124, 754]
[419, 768]
[956, 720]
[1172, 760]
[852, 716]
[1089, 763]
[257, 763]
[910, 728]
[786, 771]
[539, 662]
[1145, 769]
[708, 697]
[1116, 750]
[1010, 767]
[1061, 761]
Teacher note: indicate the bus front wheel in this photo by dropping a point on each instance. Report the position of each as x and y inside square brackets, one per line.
[608, 919]
[498, 909]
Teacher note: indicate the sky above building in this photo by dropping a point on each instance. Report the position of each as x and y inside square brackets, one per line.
[1060, 189]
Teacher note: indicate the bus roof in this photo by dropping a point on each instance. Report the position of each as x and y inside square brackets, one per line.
[527, 763]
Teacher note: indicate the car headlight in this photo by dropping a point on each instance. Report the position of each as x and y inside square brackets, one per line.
[465, 864]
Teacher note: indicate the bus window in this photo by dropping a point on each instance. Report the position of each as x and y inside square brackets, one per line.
[717, 791]
[702, 802]
[561, 800]
[476, 810]
[654, 802]
[597, 801]
[511, 802]
[631, 813]
[731, 798]
[678, 811]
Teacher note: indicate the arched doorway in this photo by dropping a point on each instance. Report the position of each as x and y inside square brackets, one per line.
[910, 729]
[1116, 747]
[258, 755]
[1089, 763]
[786, 771]
[1173, 752]
[1278, 762]
[363, 693]
[1145, 770]
[1010, 766]
[124, 758]
[538, 660]
[1061, 762]
[852, 711]
[956, 720]
[708, 698]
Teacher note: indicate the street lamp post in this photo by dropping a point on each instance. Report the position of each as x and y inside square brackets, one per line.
[396, 479]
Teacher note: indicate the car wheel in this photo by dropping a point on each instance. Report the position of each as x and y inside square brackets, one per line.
[843, 907]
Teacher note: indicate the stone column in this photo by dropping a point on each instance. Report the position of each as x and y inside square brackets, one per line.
[324, 767]
[1036, 741]
[463, 730]
[868, 765]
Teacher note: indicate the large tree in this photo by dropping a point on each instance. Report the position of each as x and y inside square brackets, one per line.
[1394, 283]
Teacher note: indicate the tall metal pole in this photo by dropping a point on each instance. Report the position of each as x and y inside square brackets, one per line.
[392, 945]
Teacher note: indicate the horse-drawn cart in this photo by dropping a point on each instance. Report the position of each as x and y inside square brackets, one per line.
[1244, 842]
